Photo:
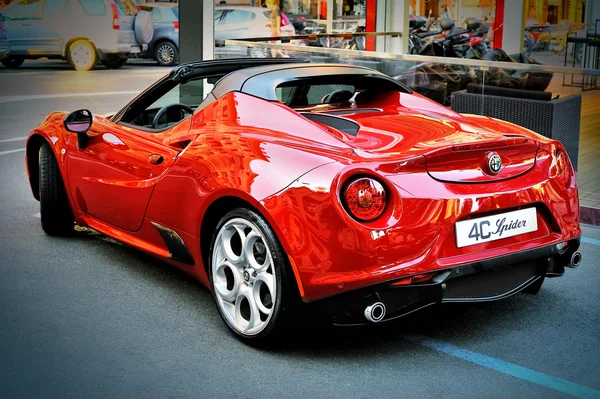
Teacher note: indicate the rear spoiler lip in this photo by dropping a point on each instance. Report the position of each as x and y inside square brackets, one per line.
[507, 141]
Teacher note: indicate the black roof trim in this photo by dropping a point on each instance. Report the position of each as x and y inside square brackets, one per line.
[262, 80]
[190, 70]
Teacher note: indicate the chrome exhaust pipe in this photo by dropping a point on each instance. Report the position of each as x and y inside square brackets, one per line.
[575, 260]
[375, 312]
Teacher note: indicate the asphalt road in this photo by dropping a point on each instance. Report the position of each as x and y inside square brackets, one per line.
[87, 317]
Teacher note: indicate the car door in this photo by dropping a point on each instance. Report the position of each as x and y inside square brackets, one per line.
[20, 22]
[55, 14]
[112, 178]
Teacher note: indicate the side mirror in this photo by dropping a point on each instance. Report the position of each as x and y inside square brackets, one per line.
[79, 122]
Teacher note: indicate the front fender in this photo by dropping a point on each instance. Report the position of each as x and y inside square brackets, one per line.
[51, 131]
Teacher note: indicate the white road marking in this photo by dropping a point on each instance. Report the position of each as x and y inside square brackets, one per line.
[13, 139]
[10, 99]
[11, 151]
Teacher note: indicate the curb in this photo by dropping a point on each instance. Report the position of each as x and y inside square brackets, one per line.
[589, 215]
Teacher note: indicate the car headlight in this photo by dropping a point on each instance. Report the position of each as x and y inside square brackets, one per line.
[364, 198]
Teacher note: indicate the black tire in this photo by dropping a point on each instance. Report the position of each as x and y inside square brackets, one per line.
[286, 293]
[166, 54]
[82, 55]
[13, 61]
[56, 214]
[114, 62]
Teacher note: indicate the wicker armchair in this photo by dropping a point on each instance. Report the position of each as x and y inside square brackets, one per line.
[558, 119]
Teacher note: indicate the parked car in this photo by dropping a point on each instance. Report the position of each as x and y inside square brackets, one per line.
[164, 47]
[4, 44]
[329, 187]
[80, 31]
[234, 22]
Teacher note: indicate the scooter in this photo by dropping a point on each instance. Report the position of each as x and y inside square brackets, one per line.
[476, 46]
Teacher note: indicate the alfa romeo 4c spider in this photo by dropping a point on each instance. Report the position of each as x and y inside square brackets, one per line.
[278, 182]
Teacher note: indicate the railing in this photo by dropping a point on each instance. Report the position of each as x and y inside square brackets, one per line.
[266, 43]
[530, 95]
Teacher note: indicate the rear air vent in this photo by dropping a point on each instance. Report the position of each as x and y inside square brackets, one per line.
[345, 125]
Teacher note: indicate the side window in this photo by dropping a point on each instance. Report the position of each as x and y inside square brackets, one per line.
[190, 93]
[170, 14]
[238, 17]
[126, 7]
[156, 15]
[93, 7]
[27, 9]
[55, 7]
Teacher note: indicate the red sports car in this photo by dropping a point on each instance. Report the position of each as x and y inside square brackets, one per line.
[291, 182]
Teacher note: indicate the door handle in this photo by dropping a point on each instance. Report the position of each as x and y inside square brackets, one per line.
[155, 159]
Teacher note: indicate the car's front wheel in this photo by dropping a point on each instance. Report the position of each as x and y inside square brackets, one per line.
[248, 276]
[13, 61]
[166, 54]
[55, 211]
[82, 55]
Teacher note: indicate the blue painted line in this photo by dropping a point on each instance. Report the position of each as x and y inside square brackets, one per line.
[511, 369]
[592, 241]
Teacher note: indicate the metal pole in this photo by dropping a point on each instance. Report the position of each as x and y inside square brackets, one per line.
[330, 6]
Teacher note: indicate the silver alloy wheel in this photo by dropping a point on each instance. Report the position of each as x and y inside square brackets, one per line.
[165, 53]
[243, 276]
[82, 55]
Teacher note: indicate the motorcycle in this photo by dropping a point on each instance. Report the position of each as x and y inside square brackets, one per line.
[450, 41]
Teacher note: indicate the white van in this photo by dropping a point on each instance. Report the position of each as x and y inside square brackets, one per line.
[80, 31]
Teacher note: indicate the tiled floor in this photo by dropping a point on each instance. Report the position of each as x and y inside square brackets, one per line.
[588, 173]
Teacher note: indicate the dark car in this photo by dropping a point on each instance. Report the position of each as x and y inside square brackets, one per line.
[164, 47]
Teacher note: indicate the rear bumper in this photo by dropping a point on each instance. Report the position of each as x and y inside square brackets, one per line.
[125, 50]
[482, 281]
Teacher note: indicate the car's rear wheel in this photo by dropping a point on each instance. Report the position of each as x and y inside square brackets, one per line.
[114, 62]
[166, 54]
[82, 55]
[56, 214]
[248, 276]
[12, 61]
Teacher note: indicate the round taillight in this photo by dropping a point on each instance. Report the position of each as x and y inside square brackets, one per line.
[365, 199]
